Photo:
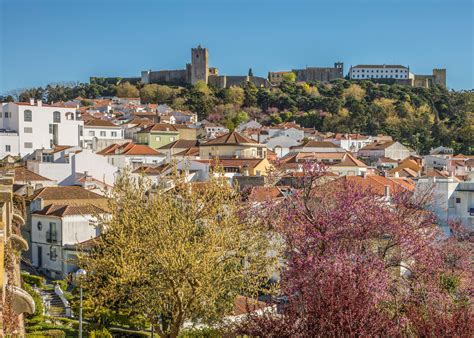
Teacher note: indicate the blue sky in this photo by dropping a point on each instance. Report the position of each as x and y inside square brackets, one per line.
[44, 41]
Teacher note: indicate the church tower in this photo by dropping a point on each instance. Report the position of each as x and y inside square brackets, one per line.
[199, 64]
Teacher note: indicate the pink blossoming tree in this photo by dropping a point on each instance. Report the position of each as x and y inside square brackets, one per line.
[358, 263]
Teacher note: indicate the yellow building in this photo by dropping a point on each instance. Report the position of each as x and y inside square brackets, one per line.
[232, 145]
[14, 301]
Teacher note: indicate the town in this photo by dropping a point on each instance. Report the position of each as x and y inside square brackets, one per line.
[67, 162]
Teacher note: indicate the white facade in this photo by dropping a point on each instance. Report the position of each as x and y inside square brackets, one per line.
[134, 161]
[39, 126]
[397, 72]
[93, 133]
[9, 143]
[64, 169]
[49, 235]
[452, 200]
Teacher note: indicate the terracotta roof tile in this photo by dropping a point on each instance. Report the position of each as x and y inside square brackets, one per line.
[23, 174]
[230, 139]
[68, 210]
[180, 144]
[64, 193]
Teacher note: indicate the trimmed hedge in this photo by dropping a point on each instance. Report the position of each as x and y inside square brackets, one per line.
[49, 333]
[32, 279]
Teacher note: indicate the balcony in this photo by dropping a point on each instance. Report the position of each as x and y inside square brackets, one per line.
[51, 237]
[22, 300]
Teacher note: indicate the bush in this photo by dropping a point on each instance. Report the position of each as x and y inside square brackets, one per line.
[128, 333]
[49, 333]
[32, 279]
[100, 334]
[38, 314]
[198, 333]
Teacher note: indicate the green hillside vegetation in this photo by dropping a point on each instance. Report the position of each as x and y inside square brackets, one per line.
[418, 117]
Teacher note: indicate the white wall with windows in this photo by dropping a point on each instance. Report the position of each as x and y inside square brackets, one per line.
[49, 235]
[101, 133]
[40, 126]
[379, 72]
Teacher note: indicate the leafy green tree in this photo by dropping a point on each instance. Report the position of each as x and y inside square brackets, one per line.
[289, 77]
[177, 255]
[127, 90]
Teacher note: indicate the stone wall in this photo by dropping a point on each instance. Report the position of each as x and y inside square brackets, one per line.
[176, 77]
[321, 74]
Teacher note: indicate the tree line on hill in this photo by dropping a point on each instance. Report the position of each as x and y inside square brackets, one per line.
[420, 118]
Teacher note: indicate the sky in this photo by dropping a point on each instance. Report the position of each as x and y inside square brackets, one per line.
[54, 41]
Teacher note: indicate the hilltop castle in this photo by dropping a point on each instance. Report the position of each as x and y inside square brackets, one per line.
[199, 70]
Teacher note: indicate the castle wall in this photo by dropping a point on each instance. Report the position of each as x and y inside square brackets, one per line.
[322, 74]
[177, 77]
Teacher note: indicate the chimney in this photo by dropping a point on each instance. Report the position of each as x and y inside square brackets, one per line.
[39, 103]
[29, 190]
[396, 174]
[32, 101]
[387, 191]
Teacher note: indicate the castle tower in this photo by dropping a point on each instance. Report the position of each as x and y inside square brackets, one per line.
[439, 75]
[340, 66]
[199, 64]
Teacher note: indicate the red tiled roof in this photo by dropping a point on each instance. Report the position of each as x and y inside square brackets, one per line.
[160, 127]
[99, 123]
[64, 193]
[68, 210]
[230, 139]
[128, 148]
[378, 183]
[237, 163]
[184, 144]
[23, 174]
[316, 144]
[193, 151]
[244, 305]
[378, 145]
[262, 194]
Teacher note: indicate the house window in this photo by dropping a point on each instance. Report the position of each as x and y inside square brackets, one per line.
[52, 235]
[28, 130]
[102, 133]
[458, 200]
[50, 128]
[158, 138]
[27, 115]
[172, 139]
[53, 255]
[56, 117]
[8, 148]
[69, 116]
[91, 133]
[114, 134]
[40, 226]
[28, 145]
[0, 114]
[7, 115]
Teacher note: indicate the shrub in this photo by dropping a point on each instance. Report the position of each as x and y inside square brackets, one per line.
[32, 279]
[200, 333]
[49, 333]
[104, 333]
[38, 314]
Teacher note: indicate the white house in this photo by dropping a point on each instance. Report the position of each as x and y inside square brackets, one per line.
[361, 72]
[351, 142]
[95, 130]
[452, 200]
[37, 126]
[57, 226]
[392, 149]
[312, 146]
[131, 155]
[64, 166]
